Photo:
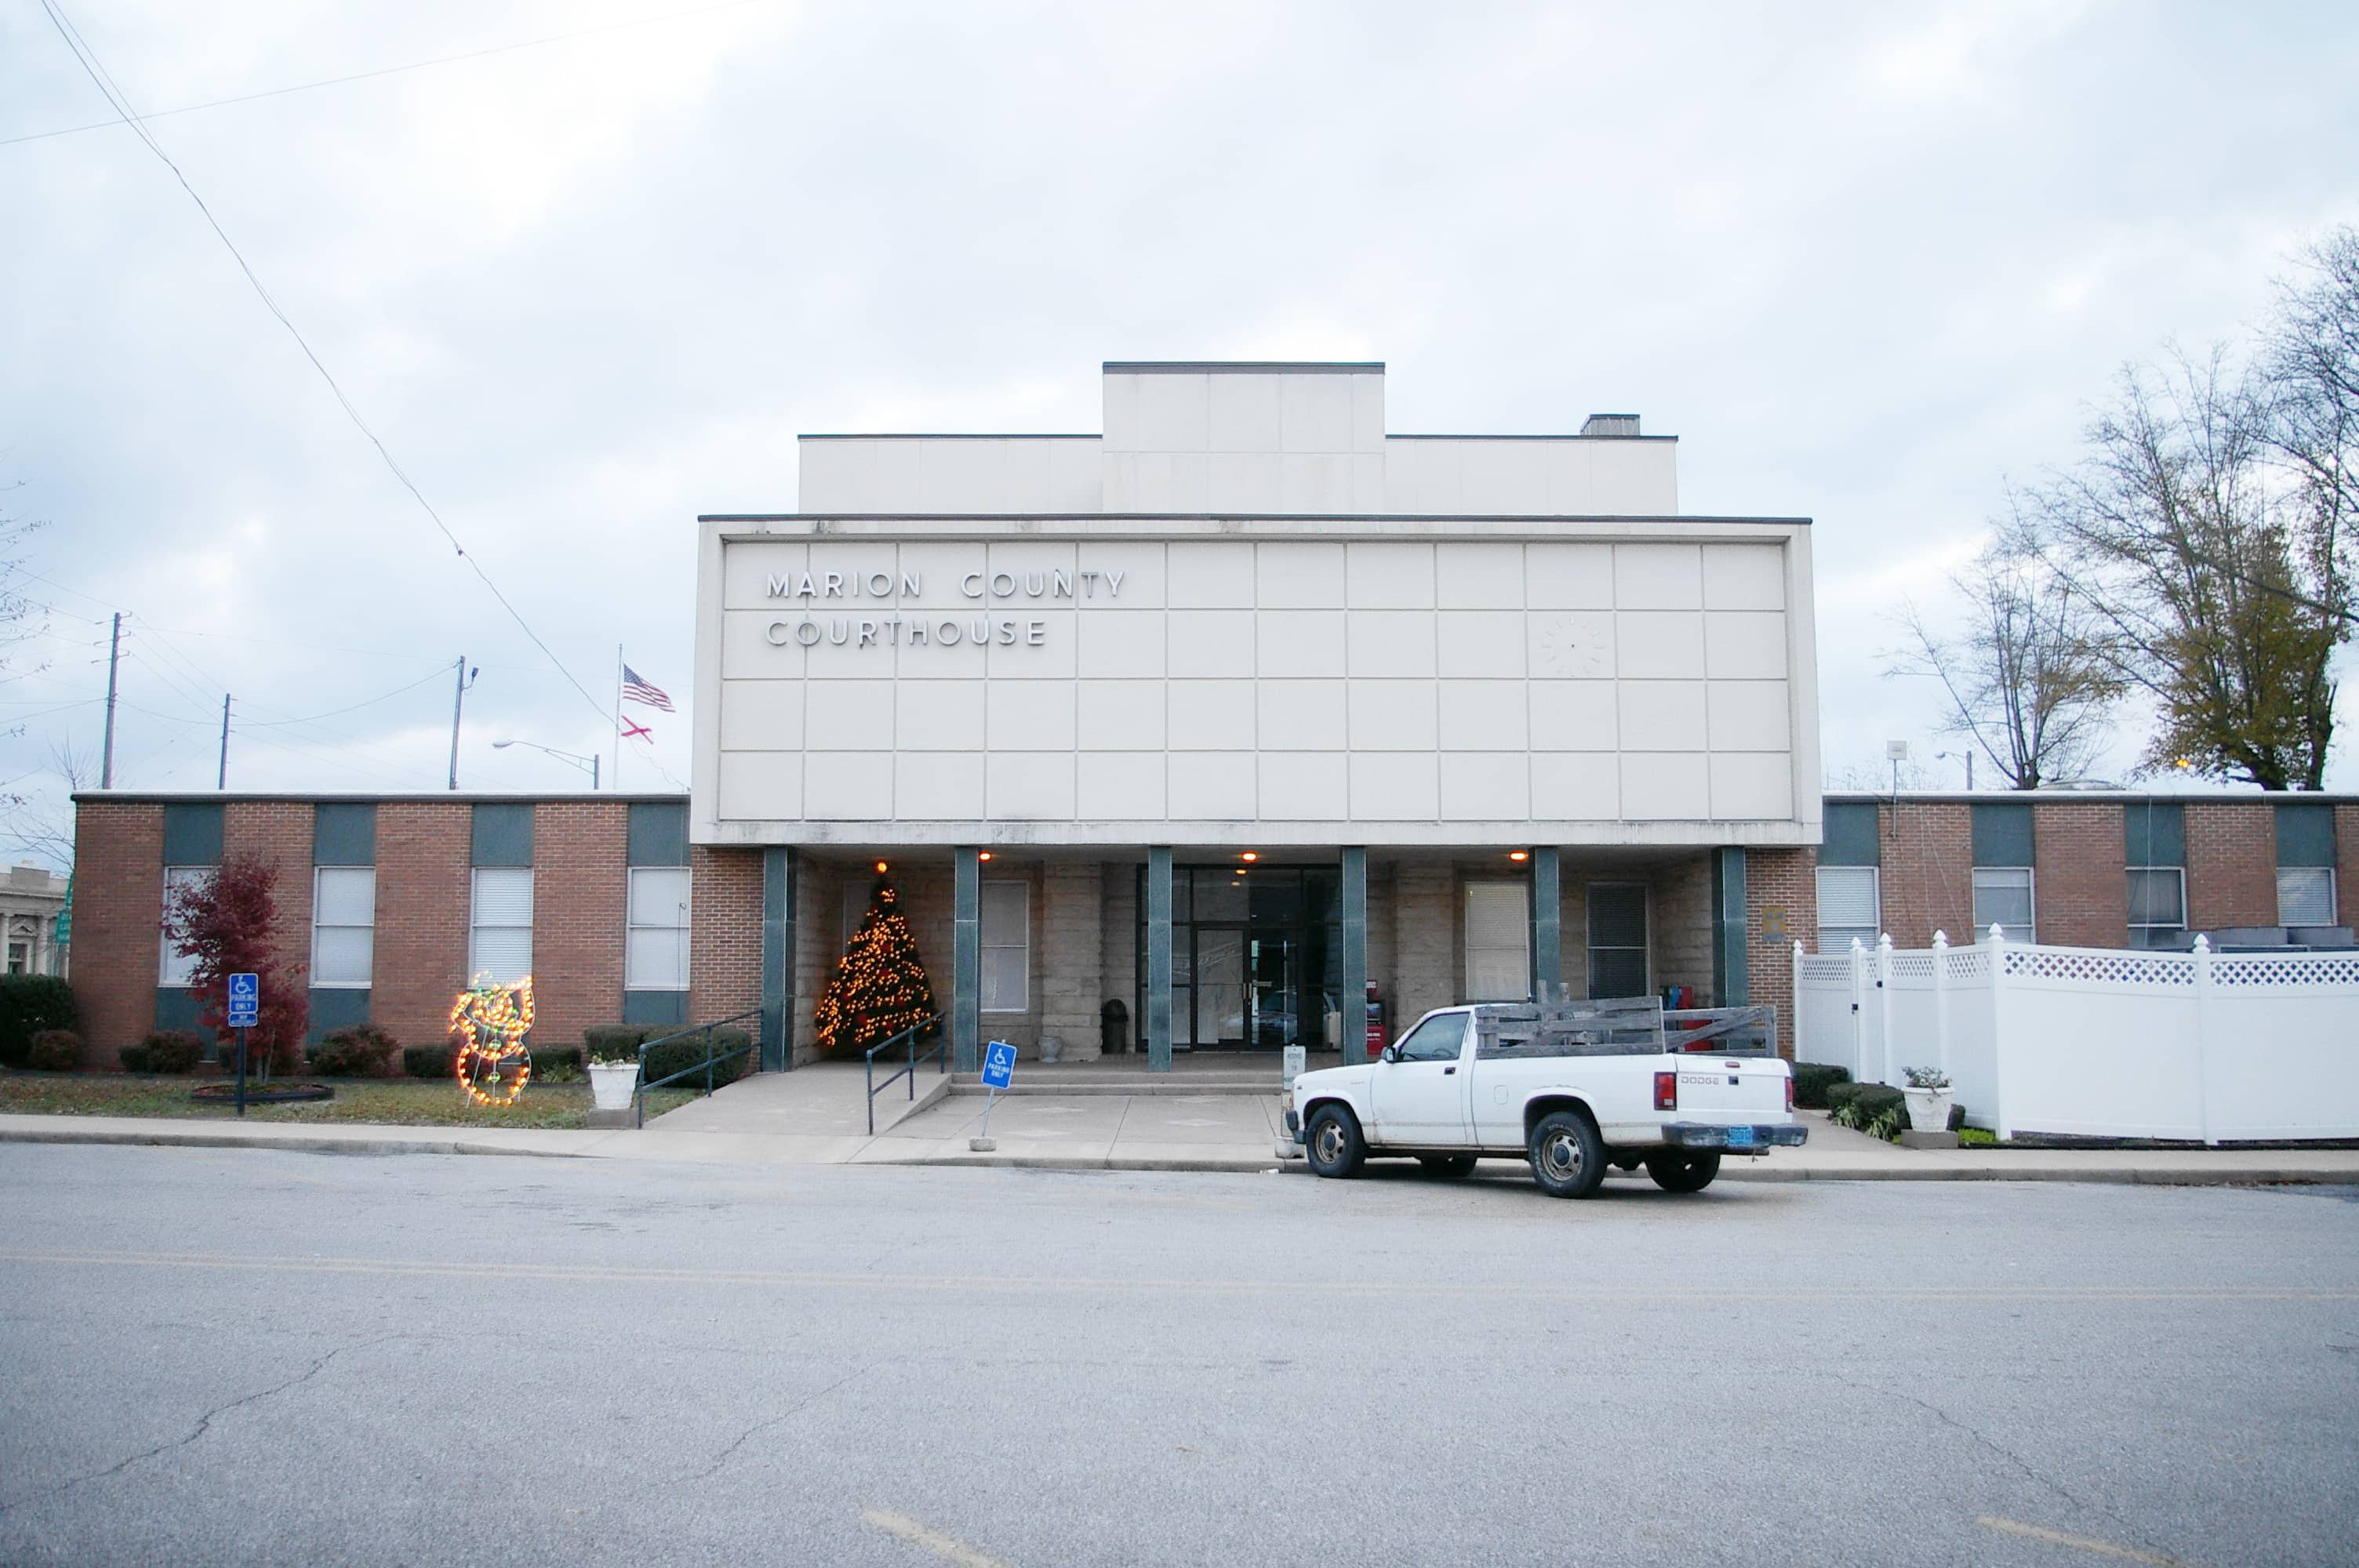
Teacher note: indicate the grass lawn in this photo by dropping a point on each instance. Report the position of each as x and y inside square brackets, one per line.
[401, 1102]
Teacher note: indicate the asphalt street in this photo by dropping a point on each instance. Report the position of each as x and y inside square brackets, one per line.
[231, 1356]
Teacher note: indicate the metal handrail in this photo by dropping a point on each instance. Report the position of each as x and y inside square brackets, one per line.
[909, 1069]
[639, 1090]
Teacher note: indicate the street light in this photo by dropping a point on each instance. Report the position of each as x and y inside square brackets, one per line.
[587, 764]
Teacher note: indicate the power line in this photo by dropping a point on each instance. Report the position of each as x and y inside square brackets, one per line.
[92, 68]
[386, 71]
[435, 674]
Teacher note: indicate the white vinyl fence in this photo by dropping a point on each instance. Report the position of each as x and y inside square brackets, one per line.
[2220, 1047]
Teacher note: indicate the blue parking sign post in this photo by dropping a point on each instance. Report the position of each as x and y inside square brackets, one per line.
[998, 1072]
[244, 1011]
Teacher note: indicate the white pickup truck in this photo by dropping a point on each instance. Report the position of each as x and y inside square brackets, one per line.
[1572, 1087]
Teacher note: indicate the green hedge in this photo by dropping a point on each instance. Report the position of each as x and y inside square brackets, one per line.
[355, 1051]
[29, 1004]
[429, 1061]
[678, 1056]
[1857, 1105]
[54, 1051]
[619, 1041]
[1813, 1080]
[172, 1050]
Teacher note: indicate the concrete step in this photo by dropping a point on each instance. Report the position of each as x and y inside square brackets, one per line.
[1123, 1084]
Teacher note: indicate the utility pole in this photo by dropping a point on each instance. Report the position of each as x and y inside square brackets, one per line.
[458, 705]
[221, 780]
[113, 659]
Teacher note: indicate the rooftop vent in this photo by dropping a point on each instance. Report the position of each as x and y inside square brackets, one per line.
[1609, 425]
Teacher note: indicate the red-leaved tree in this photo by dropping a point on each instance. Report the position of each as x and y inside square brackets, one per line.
[228, 924]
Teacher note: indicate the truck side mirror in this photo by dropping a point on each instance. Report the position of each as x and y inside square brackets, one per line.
[1390, 1053]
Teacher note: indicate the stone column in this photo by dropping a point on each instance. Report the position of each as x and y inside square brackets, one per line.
[777, 958]
[1548, 924]
[1354, 1034]
[966, 960]
[1158, 1021]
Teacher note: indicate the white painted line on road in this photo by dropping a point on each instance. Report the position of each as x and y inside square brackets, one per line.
[929, 1538]
[1030, 1285]
[2080, 1543]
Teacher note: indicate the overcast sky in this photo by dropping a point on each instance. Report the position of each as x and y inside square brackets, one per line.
[1866, 261]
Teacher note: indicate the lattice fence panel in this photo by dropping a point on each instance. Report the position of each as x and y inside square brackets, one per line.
[2246, 969]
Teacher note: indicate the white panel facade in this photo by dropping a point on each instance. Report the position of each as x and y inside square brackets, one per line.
[1247, 614]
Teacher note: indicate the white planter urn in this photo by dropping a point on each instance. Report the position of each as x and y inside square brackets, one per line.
[1052, 1049]
[610, 1087]
[1928, 1109]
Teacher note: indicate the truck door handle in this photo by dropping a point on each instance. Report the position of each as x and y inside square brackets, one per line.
[1447, 1071]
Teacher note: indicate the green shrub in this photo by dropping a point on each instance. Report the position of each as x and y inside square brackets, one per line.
[557, 1064]
[173, 1051]
[29, 1004]
[429, 1061]
[355, 1051]
[54, 1051]
[1864, 1105]
[134, 1058]
[678, 1056]
[1976, 1136]
[1814, 1080]
[618, 1041]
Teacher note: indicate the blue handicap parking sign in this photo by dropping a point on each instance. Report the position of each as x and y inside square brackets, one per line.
[244, 1000]
[998, 1064]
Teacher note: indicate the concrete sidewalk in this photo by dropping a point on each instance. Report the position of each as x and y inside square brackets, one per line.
[811, 1117]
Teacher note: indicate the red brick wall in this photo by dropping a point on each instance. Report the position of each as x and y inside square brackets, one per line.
[1785, 880]
[1927, 882]
[2232, 864]
[580, 888]
[118, 903]
[420, 964]
[2346, 870]
[278, 833]
[2080, 886]
[725, 939]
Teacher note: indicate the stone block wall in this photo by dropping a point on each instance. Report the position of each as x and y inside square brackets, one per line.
[1068, 976]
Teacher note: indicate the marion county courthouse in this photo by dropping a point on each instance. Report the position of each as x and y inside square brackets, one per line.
[1185, 735]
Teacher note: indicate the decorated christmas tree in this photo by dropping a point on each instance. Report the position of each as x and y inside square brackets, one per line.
[879, 986]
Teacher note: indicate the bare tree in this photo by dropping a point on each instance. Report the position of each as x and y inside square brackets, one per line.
[2219, 586]
[2027, 676]
[2310, 358]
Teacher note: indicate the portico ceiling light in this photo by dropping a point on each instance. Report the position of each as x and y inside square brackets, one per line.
[1249, 855]
[1519, 854]
[881, 868]
[983, 854]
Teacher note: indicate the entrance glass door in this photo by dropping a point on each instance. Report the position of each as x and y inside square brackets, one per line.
[1275, 990]
[1220, 987]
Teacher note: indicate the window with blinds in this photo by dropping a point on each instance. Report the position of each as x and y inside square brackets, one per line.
[2305, 896]
[2158, 905]
[1006, 946]
[171, 969]
[655, 952]
[343, 925]
[500, 944]
[1851, 907]
[2003, 897]
[1498, 942]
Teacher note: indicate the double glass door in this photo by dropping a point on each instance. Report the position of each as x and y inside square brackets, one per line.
[1249, 957]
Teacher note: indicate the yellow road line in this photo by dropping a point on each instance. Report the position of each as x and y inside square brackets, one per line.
[929, 1538]
[2082, 1542]
[1036, 1284]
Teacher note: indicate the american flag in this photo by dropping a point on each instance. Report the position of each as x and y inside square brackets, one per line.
[636, 688]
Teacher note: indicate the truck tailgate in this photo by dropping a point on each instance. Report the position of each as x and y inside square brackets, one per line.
[1732, 1089]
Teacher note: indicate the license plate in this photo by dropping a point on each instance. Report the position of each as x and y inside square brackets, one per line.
[1740, 1138]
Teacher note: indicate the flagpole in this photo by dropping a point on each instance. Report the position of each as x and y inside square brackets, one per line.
[618, 718]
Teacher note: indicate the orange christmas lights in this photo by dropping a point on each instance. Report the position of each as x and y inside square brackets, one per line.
[493, 1020]
[879, 988]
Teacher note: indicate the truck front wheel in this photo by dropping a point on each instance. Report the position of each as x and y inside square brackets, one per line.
[1675, 1172]
[1333, 1143]
[1568, 1159]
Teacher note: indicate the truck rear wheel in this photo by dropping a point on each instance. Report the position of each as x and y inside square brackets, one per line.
[1333, 1143]
[1451, 1165]
[1676, 1172]
[1568, 1158]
